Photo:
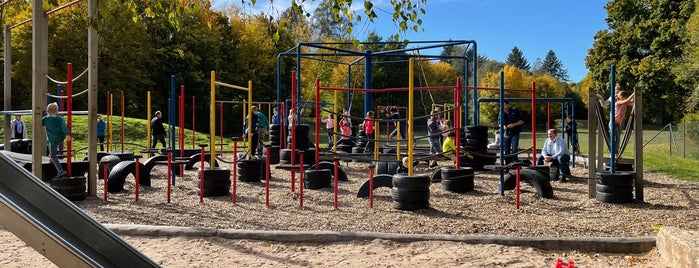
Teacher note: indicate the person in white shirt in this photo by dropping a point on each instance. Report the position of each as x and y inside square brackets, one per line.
[555, 151]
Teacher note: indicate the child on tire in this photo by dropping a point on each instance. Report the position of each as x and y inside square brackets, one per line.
[56, 132]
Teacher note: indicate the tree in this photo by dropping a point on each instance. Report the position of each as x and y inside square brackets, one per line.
[644, 42]
[327, 23]
[516, 58]
[553, 66]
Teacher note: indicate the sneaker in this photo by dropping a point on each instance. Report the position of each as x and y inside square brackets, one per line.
[60, 174]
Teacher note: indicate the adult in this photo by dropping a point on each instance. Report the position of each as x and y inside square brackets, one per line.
[101, 127]
[512, 125]
[19, 129]
[433, 131]
[262, 126]
[157, 130]
[252, 131]
[399, 126]
[571, 129]
[555, 152]
[622, 100]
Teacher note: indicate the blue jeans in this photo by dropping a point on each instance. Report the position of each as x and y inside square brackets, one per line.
[435, 146]
[511, 143]
[54, 149]
[614, 140]
[562, 161]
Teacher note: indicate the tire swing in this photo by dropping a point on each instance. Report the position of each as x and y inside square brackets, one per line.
[531, 176]
[217, 181]
[457, 180]
[73, 188]
[410, 192]
[317, 179]
[250, 170]
[614, 188]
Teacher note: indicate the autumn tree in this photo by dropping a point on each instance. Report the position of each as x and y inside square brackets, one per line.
[644, 42]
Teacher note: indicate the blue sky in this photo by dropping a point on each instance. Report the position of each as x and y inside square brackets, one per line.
[534, 26]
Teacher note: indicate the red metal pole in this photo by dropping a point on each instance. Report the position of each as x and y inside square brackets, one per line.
[301, 180]
[109, 118]
[69, 94]
[235, 164]
[371, 187]
[169, 175]
[220, 118]
[182, 126]
[193, 125]
[533, 122]
[137, 178]
[318, 120]
[201, 176]
[457, 121]
[282, 127]
[122, 121]
[517, 189]
[267, 177]
[106, 174]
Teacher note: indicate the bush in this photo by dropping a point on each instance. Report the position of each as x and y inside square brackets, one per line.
[692, 125]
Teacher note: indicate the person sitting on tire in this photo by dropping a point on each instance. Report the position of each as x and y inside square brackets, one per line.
[449, 147]
[403, 167]
[555, 152]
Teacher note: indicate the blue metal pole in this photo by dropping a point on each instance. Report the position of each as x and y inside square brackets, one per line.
[367, 81]
[612, 131]
[502, 130]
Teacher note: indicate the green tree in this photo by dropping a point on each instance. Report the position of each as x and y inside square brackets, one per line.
[516, 58]
[554, 67]
[644, 42]
[327, 22]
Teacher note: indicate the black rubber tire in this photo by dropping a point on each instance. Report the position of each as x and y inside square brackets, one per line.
[358, 149]
[274, 155]
[437, 174]
[149, 164]
[411, 182]
[404, 195]
[196, 158]
[217, 181]
[341, 175]
[249, 170]
[383, 180]
[554, 173]
[124, 156]
[540, 182]
[618, 179]
[543, 169]
[117, 177]
[457, 180]
[601, 188]
[112, 160]
[72, 188]
[274, 127]
[476, 129]
[614, 198]
[317, 179]
[411, 206]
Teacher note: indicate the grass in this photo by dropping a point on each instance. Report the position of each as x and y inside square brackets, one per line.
[657, 153]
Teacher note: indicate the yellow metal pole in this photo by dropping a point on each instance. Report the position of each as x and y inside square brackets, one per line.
[148, 123]
[212, 123]
[411, 102]
[249, 118]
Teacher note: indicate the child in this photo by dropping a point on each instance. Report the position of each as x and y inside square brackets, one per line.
[449, 147]
[369, 131]
[56, 132]
[101, 126]
[496, 143]
[329, 127]
[403, 167]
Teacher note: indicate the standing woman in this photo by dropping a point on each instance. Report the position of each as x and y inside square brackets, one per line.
[101, 126]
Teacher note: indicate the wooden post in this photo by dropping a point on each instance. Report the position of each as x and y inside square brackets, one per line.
[592, 126]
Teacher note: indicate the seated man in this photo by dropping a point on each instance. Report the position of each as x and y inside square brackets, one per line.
[555, 152]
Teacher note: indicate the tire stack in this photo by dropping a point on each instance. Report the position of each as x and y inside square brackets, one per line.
[614, 188]
[217, 181]
[250, 170]
[302, 144]
[275, 136]
[475, 139]
[457, 180]
[387, 167]
[317, 179]
[73, 188]
[410, 192]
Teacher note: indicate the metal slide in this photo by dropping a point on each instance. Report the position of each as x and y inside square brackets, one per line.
[57, 228]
